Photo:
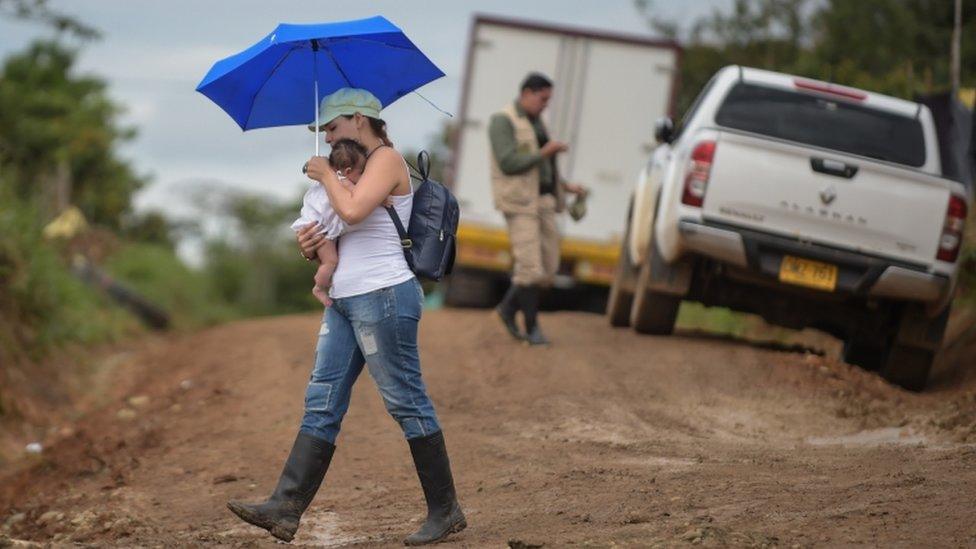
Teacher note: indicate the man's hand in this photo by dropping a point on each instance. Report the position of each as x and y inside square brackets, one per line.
[316, 167]
[576, 189]
[553, 147]
[309, 240]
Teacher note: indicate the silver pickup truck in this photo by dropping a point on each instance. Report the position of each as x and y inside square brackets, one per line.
[808, 203]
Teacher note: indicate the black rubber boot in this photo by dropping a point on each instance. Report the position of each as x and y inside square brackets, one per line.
[529, 301]
[536, 337]
[300, 480]
[506, 311]
[444, 515]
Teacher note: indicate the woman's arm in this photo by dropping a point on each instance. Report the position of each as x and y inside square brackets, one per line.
[378, 181]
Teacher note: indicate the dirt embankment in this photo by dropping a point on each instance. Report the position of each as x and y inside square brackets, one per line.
[606, 437]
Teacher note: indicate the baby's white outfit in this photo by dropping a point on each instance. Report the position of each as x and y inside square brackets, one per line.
[317, 208]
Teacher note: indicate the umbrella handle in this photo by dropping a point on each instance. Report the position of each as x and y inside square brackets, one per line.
[315, 68]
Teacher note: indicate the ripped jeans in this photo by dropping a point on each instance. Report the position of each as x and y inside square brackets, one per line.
[379, 329]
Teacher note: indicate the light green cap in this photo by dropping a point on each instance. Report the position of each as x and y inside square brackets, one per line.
[347, 101]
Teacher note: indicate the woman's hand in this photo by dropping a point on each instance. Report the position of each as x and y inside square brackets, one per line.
[317, 167]
[309, 240]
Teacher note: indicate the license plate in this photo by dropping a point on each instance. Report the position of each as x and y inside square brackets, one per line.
[809, 273]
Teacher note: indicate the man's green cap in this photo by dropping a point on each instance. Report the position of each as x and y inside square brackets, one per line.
[347, 101]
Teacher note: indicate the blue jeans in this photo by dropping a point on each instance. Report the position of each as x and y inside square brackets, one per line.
[380, 330]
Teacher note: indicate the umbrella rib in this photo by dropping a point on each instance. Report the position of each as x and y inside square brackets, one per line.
[339, 68]
[381, 43]
[265, 83]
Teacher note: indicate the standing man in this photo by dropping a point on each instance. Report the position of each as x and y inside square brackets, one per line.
[528, 190]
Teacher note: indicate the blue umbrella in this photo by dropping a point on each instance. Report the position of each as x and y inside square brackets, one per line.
[278, 81]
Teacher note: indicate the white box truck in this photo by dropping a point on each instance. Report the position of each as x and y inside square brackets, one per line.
[609, 90]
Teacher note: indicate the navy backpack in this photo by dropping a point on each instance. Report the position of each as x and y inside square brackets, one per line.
[429, 240]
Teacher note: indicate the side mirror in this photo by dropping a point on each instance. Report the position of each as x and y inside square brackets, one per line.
[664, 130]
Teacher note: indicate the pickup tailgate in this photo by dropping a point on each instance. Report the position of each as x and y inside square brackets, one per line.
[826, 197]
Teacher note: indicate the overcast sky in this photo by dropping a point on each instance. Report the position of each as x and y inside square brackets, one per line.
[153, 54]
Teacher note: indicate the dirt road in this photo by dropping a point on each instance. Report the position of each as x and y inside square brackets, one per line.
[607, 438]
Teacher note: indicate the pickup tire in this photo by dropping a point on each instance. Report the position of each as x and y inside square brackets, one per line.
[621, 296]
[915, 343]
[908, 366]
[652, 312]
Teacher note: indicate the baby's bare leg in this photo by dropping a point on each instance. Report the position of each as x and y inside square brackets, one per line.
[328, 259]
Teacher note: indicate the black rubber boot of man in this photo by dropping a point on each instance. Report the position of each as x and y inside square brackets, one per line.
[529, 301]
[507, 309]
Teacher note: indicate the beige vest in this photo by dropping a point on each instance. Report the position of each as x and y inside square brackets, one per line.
[519, 193]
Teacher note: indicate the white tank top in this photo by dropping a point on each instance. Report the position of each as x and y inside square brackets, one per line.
[370, 255]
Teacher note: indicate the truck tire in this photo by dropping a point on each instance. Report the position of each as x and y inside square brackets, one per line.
[594, 300]
[652, 312]
[916, 341]
[908, 366]
[622, 290]
[470, 288]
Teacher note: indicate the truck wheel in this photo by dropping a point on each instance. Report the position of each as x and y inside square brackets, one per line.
[622, 290]
[652, 312]
[908, 366]
[468, 288]
[917, 339]
[864, 352]
[594, 300]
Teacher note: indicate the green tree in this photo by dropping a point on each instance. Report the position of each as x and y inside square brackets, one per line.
[896, 47]
[253, 261]
[38, 10]
[59, 134]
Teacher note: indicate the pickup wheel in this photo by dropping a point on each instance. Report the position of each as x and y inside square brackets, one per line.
[622, 290]
[652, 312]
[908, 366]
[916, 341]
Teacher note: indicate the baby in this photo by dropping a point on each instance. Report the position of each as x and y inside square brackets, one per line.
[348, 158]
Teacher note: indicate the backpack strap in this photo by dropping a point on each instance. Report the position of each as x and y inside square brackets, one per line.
[405, 241]
[422, 168]
[423, 162]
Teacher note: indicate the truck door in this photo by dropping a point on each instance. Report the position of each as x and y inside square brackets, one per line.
[616, 91]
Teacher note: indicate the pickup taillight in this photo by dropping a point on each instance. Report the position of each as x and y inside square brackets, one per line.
[699, 168]
[951, 239]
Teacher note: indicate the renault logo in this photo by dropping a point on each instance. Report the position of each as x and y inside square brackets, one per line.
[828, 194]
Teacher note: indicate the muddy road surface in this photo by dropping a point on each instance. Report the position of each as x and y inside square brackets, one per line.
[606, 438]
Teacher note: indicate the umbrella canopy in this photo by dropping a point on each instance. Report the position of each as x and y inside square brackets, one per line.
[278, 81]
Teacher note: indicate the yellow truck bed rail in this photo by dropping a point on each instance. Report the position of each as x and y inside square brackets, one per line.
[484, 247]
